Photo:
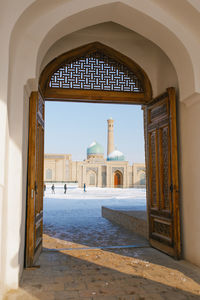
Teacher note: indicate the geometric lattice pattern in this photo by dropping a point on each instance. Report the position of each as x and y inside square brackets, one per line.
[96, 71]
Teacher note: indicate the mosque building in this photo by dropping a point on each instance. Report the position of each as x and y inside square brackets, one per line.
[96, 170]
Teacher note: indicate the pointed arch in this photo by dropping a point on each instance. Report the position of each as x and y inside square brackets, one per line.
[91, 178]
[118, 179]
[95, 73]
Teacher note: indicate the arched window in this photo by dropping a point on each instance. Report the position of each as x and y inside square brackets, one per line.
[96, 71]
[49, 174]
[142, 178]
[92, 179]
[92, 71]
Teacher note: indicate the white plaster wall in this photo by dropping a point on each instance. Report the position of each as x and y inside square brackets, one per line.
[135, 16]
[28, 28]
[9, 13]
[149, 56]
[190, 180]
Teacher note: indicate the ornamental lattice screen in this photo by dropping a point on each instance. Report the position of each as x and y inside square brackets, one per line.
[96, 71]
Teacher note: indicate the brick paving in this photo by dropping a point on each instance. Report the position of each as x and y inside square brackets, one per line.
[116, 274]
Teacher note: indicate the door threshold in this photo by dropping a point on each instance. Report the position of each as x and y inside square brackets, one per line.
[97, 248]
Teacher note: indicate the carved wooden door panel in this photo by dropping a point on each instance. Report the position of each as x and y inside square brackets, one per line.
[34, 221]
[116, 180]
[162, 174]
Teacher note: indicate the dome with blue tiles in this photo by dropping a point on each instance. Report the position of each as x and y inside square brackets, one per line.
[95, 148]
[116, 155]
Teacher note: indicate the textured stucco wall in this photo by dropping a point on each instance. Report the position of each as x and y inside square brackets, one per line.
[149, 56]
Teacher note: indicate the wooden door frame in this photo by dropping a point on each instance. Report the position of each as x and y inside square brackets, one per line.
[93, 96]
[30, 213]
[168, 100]
[34, 203]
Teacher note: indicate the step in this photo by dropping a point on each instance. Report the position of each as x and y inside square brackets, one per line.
[134, 220]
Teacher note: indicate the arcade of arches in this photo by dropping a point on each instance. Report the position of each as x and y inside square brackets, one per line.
[156, 42]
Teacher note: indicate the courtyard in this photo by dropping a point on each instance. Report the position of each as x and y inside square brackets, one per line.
[87, 257]
[75, 217]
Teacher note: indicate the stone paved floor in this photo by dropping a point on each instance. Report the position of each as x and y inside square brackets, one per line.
[117, 274]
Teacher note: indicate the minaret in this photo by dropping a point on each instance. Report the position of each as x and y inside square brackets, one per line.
[110, 145]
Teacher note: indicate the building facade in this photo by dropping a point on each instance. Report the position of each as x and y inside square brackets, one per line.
[96, 170]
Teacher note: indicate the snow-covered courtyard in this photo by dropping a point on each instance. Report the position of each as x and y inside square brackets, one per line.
[75, 217]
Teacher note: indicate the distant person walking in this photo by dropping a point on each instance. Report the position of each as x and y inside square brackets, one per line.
[65, 188]
[53, 188]
[84, 187]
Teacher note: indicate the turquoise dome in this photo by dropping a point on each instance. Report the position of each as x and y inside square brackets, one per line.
[95, 148]
[116, 156]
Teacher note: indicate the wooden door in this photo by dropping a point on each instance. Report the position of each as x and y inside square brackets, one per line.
[117, 179]
[34, 221]
[162, 174]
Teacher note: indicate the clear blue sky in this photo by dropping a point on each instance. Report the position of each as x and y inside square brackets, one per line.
[71, 127]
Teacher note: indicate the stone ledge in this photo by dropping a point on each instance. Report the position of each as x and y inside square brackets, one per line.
[133, 220]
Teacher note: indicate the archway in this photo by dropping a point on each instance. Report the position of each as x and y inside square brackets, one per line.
[99, 74]
[36, 15]
[91, 179]
[142, 178]
[49, 174]
[118, 179]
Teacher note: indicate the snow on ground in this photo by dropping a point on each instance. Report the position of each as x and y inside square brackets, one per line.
[75, 217]
[73, 192]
